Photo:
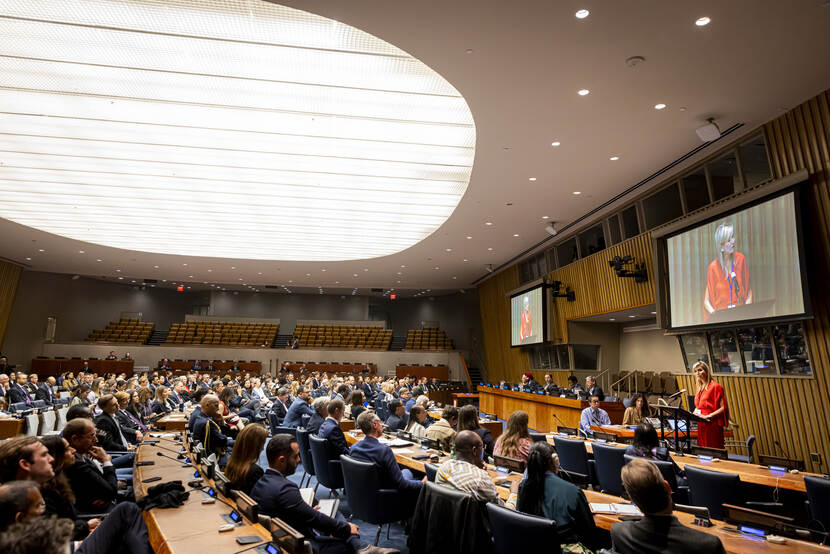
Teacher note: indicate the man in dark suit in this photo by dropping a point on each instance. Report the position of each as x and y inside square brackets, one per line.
[593, 389]
[45, 392]
[371, 450]
[279, 497]
[658, 531]
[32, 384]
[95, 486]
[330, 430]
[4, 385]
[113, 439]
[321, 412]
[18, 391]
[397, 418]
[298, 408]
[279, 408]
[178, 396]
[208, 432]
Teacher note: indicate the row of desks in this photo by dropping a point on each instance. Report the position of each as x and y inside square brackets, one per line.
[181, 367]
[733, 542]
[45, 367]
[355, 369]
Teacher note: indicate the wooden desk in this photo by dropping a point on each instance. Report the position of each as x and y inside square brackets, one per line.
[174, 421]
[186, 366]
[10, 427]
[624, 432]
[351, 369]
[733, 542]
[463, 398]
[541, 409]
[495, 427]
[430, 371]
[45, 367]
[192, 527]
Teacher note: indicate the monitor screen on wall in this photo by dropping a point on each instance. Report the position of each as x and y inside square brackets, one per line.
[741, 266]
[527, 317]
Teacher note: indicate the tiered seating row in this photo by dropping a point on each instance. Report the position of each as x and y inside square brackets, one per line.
[427, 339]
[126, 330]
[343, 336]
[224, 334]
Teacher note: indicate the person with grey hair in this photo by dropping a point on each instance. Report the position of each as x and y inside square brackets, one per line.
[321, 412]
[593, 389]
[279, 409]
[727, 277]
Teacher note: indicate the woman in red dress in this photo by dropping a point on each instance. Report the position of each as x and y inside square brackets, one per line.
[710, 404]
[727, 277]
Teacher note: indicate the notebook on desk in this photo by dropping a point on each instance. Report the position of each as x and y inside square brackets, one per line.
[615, 508]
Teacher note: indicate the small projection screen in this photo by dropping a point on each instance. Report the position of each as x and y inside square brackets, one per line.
[527, 317]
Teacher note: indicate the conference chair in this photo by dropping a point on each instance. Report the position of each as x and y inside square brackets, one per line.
[573, 459]
[818, 500]
[713, 489]
[748, 446]
[368, 501]
[305, 454]
[667, 470]
[60, 421]
[517, 532]
[608, 463]
[19, 407]
[288, 430]
[329, 472]
[431, 470]
[538, 437]
[448, 521]
[47, 423]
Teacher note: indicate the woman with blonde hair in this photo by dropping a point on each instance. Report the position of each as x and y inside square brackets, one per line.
[159, 405]
[727, 277]
[710, 404]
[515, 442]
[242, 469]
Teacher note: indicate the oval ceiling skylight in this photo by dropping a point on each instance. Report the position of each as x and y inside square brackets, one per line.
[236, 129]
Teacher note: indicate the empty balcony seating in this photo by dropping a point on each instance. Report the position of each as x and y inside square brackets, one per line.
[343, 336]
[427, 339]
[126, 330]
[219, 333]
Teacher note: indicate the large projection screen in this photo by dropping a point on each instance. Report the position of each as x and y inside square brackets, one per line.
[739, 267]
[527, 317]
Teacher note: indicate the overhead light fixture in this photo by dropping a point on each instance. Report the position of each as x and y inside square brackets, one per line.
[708, 132]
[577, 192]
[545, 217]
[488, 223]
[531, 178]
[701, 21]
[515, 234]
[584, 92]
[555, 143]
[659, 106]
[469, 237]
[582, 14]
[614, 158]
[296, 96]
[490, 249]
[549, 229]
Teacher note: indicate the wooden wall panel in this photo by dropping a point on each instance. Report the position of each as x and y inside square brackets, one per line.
[9, 277]
[503, 362]
[597, 287]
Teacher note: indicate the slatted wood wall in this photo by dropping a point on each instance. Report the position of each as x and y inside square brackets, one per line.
[597, 287]
[9, 277]
[503, 362]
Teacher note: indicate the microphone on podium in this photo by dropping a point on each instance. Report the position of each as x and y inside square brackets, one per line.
[677, 394]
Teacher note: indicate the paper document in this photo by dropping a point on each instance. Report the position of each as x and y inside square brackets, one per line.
[615, 508]
[308, 496]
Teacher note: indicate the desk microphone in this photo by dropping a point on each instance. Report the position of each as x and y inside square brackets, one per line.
[179, 442]
[677, 394]
[781, 448]
[177, 452]
[556, 417]
[162, 454]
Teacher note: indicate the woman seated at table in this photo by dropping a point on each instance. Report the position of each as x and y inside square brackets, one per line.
[515, 441]
[638, 410]
[646, 445]
[242, 469]
[356, 404]
[230, 416]
[159, 405]
[80, 396]
[468, 421]
[415, 424]
[543, 493]
[69, 383]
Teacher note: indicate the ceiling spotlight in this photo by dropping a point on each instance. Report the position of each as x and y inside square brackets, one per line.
[488, 223]
[515, 234]
[708, 132]
[41, 250]
[448, 249]
[614, 158]
[555, 143]
[531, 178]
[582, 14]
[100, 260]
[465, 260]
[81, 252]
[545, 217]
[577, 192]
[659, 106]
[584, 92]
[28, 259]
[490, 249]
[701, 21]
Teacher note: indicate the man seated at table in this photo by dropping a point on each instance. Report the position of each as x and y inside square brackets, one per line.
[593, 389]
[549, 387]
[279, 497]
[658, 531]
[196, 414]
[113, 437]
[92, 476]
[111, 356]
[321, 412]
[370, 449]
[45, 391]
[298, 408]
[207, 431]
[593, 415]
[529, 384]
[330, 430]
[443, 430]
[397, 416]
[466, 471]
[19, 392]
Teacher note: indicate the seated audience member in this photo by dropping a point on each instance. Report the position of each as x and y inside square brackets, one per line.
[515, 442]
[330, 430]
[230, 417]
[549, 387]
[466, 472]
[529, 384]
[279, 407]
[298, 408]
[635, 413]
[468, 421]
[74, 412]
[658, 531]
[242, 469]
[160, 406]
[128, 417]
[197, 411]
[544, 493]
[341, 393]
[92, 475]
[593, 415]
[279, 497]
[405, 396]
[69, 383]
[356, 399]
[114, 437]
[397, 416]
[371, 450]
[593, 389]
[178, 396]
[443, 430]
[207, 430]
[18, 392]
[38, 535]
[573, 385]
[20, 501]
[415, 423]
[45, 391]
[646, 445]
[123, 530]
[25, 459]
[321, 412]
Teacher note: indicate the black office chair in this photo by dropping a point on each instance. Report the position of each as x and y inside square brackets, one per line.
[327, 470]
[431, 470]
[667, 470]
[368, 501]
[38, 404]
[304, 419]
[749, 446]
[818, 498]
[609, 461]
[280, 430]
[573, 460]
[305, 454]
[538, 437]
[448, 521]
[517, 532]
[713, 489]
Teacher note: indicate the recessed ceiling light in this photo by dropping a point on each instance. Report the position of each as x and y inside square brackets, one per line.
[209, 270]
[233, 267]
[308, 274]
[659, 106]
[290, 281]
[531, 178]
[400, 273]
[436, 267]
[466, 260]
[99, 260]
[486, 223]
[614, 158]
[118, 271]
[323, 270]
[41, 250]
[490, 249]
[582, 14]
[121, 278]
[701, 21]
[577, 192]
[190, 276]
[545, 217]
[584, 92]
[515, 234]
[30, 259]
[632, 316]
[611, 319]
[365, 269]
[81, 252]
[454, 277]
[354, 275]
[260, 273]
[184, 265]
[555, 143]
[240, 279]
[448, 249]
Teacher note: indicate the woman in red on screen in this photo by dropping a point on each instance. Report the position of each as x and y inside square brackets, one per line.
[710, 404]
[527, 325]
[727, 279]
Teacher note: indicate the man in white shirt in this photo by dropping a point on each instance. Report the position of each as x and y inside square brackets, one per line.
[466, 471]
[593, 415]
